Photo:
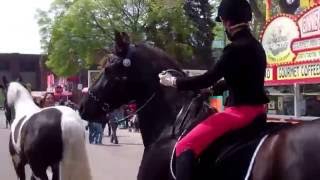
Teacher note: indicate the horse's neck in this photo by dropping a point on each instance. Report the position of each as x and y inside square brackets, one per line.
[157, 117]
[24, 106]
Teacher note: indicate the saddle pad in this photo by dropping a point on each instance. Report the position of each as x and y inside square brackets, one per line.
[232, 157]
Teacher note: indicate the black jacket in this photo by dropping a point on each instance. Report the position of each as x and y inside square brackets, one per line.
[242, 65]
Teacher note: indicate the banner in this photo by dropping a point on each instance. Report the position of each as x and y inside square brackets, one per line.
[302, 71]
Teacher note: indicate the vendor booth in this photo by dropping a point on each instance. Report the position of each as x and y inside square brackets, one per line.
[292, 45]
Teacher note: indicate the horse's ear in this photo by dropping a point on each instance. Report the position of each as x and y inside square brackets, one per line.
[122, 42]
[5, 81]
[19, 79]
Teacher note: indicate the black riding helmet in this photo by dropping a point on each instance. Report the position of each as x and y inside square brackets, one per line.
[237, 11]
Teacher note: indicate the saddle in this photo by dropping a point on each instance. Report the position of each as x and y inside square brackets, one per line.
[227, 158]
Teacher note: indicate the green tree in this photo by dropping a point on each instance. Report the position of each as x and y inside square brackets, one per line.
[200, 13]
[169, 28]
[73, 32]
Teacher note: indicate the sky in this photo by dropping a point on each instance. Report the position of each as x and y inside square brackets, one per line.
[19, 31]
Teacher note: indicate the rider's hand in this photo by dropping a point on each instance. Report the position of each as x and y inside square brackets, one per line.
[167, 79]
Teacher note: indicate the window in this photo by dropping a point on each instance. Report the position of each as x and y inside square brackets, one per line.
[310, 100]
[281, 100]
[27, 66]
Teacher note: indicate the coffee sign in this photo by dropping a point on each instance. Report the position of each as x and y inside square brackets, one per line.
[277, 39]
[292, 45]
[300, 71]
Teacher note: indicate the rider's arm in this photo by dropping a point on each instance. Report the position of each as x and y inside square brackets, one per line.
[207, 79]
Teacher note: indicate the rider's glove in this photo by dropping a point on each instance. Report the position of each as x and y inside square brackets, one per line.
[167, 79]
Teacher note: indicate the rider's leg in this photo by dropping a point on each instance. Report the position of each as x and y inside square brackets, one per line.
[185, 163]
[208, 131]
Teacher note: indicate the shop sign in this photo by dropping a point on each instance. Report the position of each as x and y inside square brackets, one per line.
[269, 74]
[309, 23]
[307, 56]
[307, 46]
[277, 39]
[301, 71]
[301, 61]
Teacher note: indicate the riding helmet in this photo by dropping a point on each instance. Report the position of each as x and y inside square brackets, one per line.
[235, 10]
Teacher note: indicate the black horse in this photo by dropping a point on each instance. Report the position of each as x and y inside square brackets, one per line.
[288, 154]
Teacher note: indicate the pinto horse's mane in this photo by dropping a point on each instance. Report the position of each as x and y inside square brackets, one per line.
[17, 91]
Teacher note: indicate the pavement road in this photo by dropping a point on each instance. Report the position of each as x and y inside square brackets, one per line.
[107, 161]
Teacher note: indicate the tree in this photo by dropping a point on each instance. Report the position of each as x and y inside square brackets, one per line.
[199, 12]
[169, 28]
[74, 31]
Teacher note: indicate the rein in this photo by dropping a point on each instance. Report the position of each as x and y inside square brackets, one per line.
[139, 109]
[105, 106]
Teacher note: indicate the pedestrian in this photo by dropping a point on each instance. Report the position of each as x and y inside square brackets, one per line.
[115, 117]
[48, 100]
[95, 133]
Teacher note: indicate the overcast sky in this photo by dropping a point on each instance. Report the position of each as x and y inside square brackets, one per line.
[19, 32]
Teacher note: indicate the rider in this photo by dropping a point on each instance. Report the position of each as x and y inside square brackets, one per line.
[242, 65]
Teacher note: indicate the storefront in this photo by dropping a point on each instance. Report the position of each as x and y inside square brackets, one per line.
[292, 45]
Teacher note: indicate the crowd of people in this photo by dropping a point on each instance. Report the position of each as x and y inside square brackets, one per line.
[124, 117]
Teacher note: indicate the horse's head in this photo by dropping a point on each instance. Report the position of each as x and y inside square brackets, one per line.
[131, 75]
[15, 90]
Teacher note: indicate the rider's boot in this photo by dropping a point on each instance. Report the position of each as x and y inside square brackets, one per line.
[185, 164]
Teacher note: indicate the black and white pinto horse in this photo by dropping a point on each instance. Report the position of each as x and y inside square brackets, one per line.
[50, 137]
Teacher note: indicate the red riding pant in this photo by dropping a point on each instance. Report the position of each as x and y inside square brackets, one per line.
[233, 118]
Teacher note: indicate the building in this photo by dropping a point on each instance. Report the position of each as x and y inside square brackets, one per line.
[28, 66]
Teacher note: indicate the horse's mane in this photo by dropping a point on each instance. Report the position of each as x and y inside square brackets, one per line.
[158, 56]
[16, 91]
